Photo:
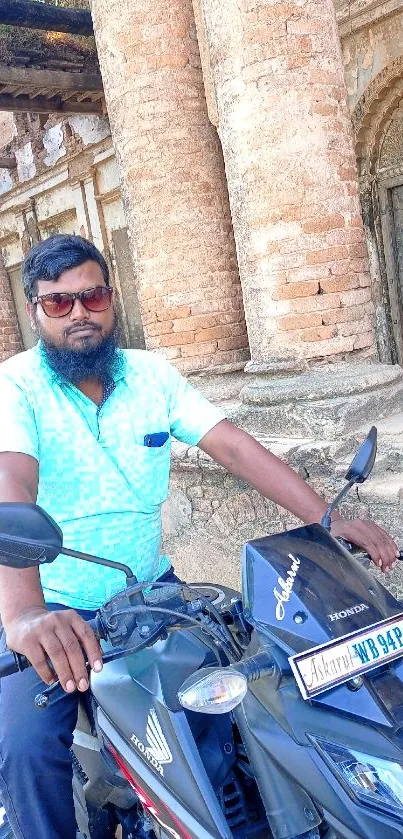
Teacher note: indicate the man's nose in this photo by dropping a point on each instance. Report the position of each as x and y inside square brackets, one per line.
[79, 312]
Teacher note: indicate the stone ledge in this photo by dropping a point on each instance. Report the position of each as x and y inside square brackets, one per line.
[322, 383]
[322, 403]
[209, 514]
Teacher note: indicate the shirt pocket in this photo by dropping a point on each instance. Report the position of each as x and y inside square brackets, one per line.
[151, 470]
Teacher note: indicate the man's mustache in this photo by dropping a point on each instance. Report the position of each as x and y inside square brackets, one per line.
[79, 326]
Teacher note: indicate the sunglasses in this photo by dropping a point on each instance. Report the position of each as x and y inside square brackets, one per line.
[60, 303]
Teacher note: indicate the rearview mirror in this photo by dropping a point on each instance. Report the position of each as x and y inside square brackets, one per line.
[364, 460]
[358, 472]
[28, 536]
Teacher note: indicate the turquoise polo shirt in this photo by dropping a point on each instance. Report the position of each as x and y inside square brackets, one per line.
[97, 479]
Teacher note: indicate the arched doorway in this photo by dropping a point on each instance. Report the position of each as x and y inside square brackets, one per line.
[378, 124]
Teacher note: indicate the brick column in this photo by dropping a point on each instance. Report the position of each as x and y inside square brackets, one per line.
[291, 172]
[173, 182]
[10, 339]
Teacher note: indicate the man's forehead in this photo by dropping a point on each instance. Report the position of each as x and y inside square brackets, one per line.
[74, 279]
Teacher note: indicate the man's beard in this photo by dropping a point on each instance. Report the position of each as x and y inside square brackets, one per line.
[79, 364]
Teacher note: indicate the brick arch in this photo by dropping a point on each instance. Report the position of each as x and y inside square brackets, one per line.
[373, 112]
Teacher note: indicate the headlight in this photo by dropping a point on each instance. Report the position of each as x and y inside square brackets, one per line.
[372, 780]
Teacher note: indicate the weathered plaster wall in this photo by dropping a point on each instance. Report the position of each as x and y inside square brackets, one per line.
[370, 48]
[65, 181]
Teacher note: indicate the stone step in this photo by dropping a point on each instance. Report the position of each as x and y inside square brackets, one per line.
[386, 488]
[389, 459]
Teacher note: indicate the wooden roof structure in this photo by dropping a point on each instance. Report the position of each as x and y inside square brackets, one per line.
[42, 72]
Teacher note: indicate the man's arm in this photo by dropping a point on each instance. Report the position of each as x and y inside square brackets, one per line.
[31, 629]
[244, 457]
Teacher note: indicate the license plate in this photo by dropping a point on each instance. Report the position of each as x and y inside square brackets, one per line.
[338, 661]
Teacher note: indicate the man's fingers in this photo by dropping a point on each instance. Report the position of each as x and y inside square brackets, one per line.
[55, 651]
[39, 662]
[373, 539]
[88, 641]
[74, 655]
[63, 638]
[383, 548]
[50, 662]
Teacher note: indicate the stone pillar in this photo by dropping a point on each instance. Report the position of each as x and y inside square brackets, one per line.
[173, 182]
[285, 130]
[286, 136]
[10, 338]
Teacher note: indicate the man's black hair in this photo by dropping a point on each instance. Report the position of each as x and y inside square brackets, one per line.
[48, 259]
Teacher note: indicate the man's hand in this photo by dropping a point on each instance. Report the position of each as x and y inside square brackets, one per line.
[59, 638]
[369, 536]
[240, 454]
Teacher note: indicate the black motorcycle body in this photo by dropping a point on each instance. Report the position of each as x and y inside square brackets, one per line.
[315, 746]
[151, 749]
[196, 789]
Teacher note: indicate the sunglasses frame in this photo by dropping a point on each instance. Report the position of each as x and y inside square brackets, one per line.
[73, 295]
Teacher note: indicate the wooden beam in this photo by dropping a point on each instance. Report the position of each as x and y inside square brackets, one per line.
[41, 105]
[17, 91]
[8, 162]
[32, 15]
[28, 77]
[81, 96]
[68, 95]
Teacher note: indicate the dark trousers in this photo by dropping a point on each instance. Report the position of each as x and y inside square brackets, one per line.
[35, 762]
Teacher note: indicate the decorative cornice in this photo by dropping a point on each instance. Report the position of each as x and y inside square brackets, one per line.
[375, 90]
[354, 17]
[9, 238]
[64, 215]
[373, 113]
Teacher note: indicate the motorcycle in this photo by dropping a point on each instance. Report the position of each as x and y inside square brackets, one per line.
[273, 714]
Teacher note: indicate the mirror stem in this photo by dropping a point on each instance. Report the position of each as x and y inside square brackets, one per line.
[100, 561]
[327, 518]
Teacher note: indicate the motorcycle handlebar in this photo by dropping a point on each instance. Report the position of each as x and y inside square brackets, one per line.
[11, 662]
[362, 556]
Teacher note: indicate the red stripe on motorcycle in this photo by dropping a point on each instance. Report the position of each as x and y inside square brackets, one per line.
[147, 802]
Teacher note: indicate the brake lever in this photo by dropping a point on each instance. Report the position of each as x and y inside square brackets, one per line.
[361, 556]
[42, 700]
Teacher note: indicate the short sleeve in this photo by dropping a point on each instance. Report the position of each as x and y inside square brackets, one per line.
[191, 414]
[18, 432]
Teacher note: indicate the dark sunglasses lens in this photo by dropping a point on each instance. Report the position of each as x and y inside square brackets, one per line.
[97, 299]
[56, 305]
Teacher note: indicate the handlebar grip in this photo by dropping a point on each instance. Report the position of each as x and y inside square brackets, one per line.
[11, 662]
[365, 558]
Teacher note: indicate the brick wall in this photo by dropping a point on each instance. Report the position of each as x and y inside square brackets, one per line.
[173, 182]
[292, 180]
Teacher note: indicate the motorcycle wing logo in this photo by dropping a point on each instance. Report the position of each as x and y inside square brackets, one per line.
[157, 743]
[157, 751]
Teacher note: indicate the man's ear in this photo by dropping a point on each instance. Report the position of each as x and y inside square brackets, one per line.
[31, 314]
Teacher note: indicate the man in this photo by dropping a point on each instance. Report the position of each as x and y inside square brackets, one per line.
[85, 432]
